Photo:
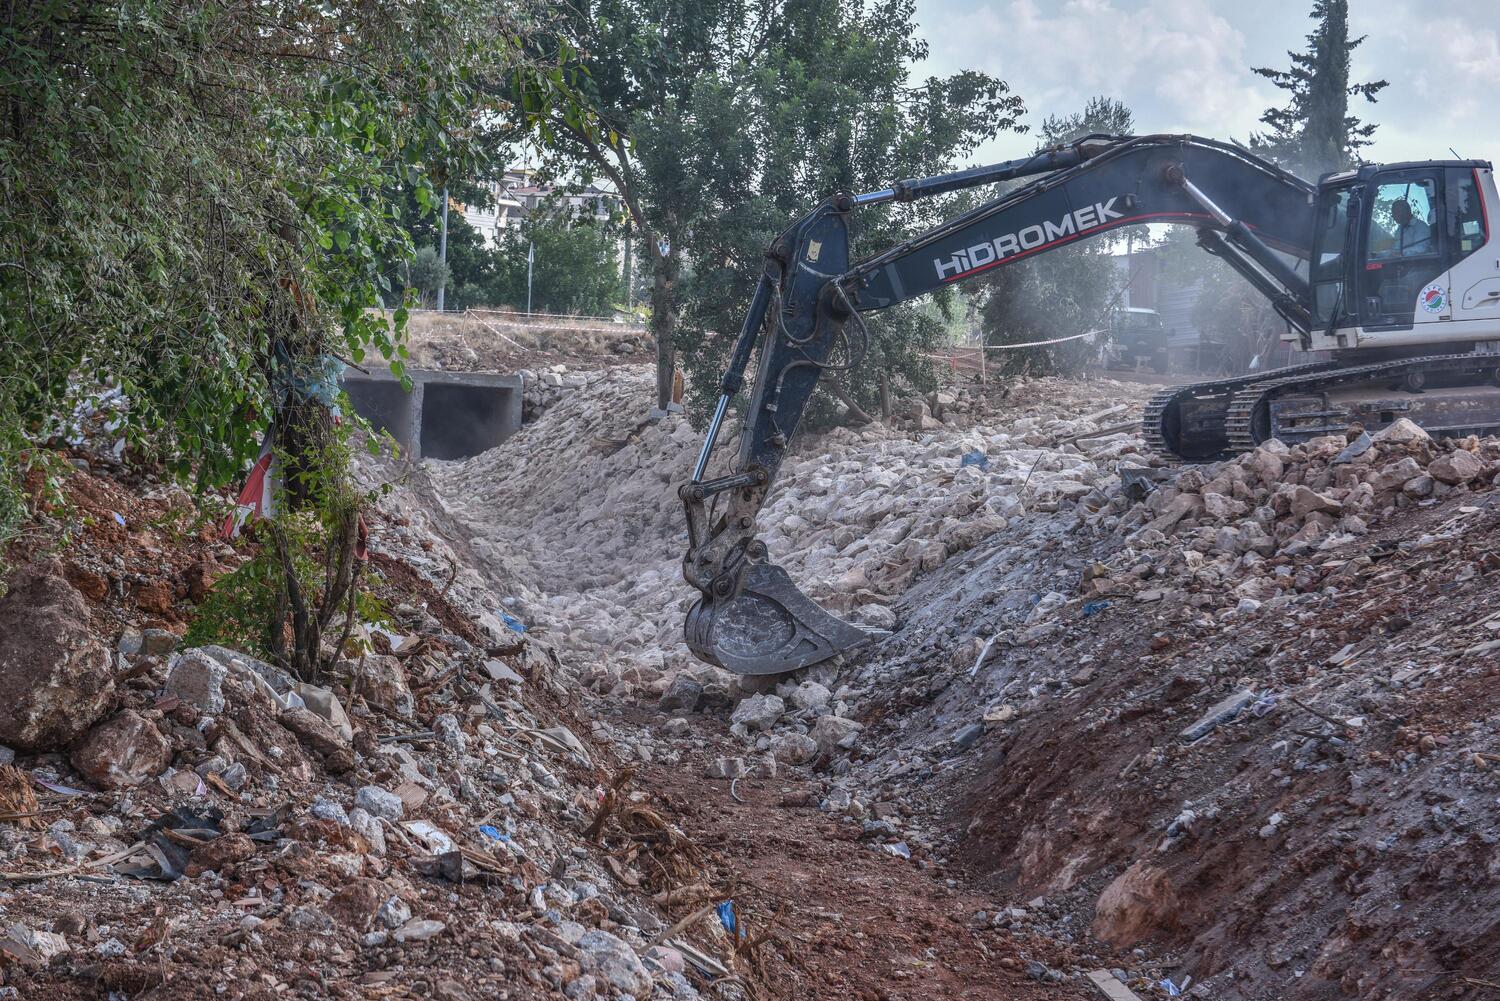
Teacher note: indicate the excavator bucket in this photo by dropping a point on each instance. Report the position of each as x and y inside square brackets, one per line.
[769, 628]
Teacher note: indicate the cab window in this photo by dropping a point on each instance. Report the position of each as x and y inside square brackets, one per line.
[1329, 239]
[1465, 213]
[1403, 219]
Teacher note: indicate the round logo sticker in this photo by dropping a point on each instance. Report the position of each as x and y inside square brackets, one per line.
[1434, 298]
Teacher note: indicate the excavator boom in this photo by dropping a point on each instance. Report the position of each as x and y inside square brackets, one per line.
[807, 317]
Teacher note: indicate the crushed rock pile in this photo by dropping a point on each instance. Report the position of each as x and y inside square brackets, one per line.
[580, 509]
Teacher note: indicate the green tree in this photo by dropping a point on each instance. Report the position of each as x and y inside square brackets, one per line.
[576, 266]
[192, 213]
[427, 273]
[471, 262]
[1064, 292]
[1315, 133]
[739, 116]
[832, 107]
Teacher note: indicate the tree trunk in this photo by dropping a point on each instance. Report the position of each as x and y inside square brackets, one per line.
[664, 269]
[885, 396]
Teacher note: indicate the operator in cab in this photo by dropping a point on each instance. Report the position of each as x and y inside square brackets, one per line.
[1412, 238]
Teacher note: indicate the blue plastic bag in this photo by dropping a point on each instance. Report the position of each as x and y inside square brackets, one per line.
[728, 919]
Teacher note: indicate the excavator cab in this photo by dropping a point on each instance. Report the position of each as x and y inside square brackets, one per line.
[1397, 250]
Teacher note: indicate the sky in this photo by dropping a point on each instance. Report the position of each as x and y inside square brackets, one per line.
[1184, 65]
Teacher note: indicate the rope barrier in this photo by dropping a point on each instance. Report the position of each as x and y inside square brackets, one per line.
[1012, 347]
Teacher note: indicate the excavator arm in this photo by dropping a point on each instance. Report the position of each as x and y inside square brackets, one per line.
[807, 316]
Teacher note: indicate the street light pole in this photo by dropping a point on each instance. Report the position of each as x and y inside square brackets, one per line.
[530, 260]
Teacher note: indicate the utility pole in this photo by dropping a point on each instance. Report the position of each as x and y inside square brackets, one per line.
[443, 247]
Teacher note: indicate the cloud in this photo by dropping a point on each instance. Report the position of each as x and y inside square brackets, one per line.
[1178, 64]
[1473, 54]
[1184, 65]
[1454, 69]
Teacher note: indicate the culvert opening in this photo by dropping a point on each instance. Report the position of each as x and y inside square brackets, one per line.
[460, 421]
[384, 404]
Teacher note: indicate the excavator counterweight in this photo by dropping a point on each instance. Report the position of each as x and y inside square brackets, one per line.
[1392, 270]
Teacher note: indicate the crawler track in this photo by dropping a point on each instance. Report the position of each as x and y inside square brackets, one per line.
[1204, 439]
[1212, 420]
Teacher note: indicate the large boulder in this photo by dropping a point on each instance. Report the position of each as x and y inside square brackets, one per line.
[1140, 902]
[794, 748]
[382, 682]
[123, 751]
[55, 674]
[319, 737]
[327, 705]
[1394, 475]
[1305, 501]
[1265, 465]
[810, 695]
[1402, 432]
[682, 695]
[358, 902]
[198, 678]
[832, 732]
[220, 853]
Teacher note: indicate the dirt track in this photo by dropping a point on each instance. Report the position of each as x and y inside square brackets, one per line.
[854, 922]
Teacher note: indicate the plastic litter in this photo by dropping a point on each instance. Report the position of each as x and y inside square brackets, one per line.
[163, 858]
[899, 849]
[453, 867]
[729, 919]
[514, 624]
[1093, 608]
[979, 661]
[493, 833]
[978, 459]
[1136, 482]
[436, 840]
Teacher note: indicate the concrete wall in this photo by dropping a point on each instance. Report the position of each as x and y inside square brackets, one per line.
[447, 415]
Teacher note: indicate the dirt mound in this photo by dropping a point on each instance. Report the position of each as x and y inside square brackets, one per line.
[55, 674]
[443, 820]
[1231, 738]
[1247, 723]
[488, 340]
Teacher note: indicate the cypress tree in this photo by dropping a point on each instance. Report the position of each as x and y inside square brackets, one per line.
[1315, 132]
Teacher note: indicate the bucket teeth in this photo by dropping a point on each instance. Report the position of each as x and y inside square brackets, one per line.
[770, 627]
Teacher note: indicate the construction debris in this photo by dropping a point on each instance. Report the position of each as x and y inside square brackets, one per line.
[1202, 729]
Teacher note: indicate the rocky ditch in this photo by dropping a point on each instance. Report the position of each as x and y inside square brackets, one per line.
[1218, 730]
[1081, 640]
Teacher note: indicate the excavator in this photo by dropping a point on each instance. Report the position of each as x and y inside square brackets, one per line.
[1391, 273]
